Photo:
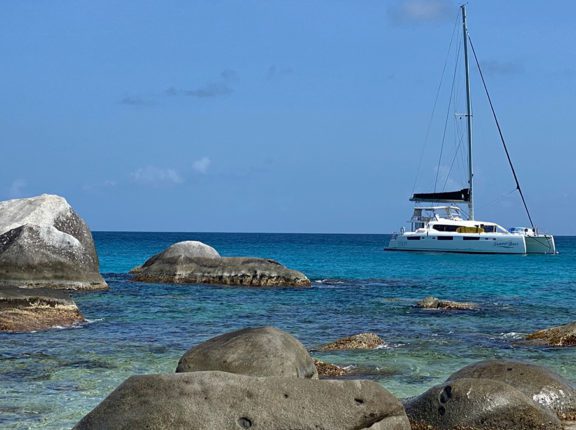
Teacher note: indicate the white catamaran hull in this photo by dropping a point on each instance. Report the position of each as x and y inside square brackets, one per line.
[540, 244]
[465, 243]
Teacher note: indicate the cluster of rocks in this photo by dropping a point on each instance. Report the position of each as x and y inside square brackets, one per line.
[45, 245]
[265, 378]
[193, 262]
[496, 394]
[252, 378]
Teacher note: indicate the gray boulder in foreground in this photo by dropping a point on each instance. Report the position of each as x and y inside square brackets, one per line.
[44, 243]
[28, 309]
[544, 387]
[478, 404]
[226, 401]
[259, 351]
[186, 263]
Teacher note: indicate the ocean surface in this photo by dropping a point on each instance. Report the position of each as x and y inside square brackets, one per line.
[52, 379]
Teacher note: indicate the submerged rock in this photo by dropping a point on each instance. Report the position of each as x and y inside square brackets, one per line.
[329, 370]
[564, 335]
[44, 243]
[27, 309]
[183, 263]
[434, 303]
[226, 401]
[261, 351]
[357, 341]
[544, 387]
[479, 404]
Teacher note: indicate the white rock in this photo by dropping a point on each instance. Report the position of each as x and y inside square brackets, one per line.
[42, 210]
[191, 248]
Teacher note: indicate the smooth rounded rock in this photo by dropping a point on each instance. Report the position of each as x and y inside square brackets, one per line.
[543, 386]
[259, 351]
[187, 249]
[44, 243]
[479, 404]
[226, 401]
[179, 265]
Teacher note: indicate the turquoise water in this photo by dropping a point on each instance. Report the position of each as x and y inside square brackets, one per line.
[51, 379]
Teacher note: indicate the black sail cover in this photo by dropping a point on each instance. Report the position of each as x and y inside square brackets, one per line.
[447, 196]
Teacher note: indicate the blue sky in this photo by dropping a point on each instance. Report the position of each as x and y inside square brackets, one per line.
[279, 116]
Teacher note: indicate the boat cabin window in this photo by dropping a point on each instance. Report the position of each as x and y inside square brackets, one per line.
[445, 227]
[489, 228]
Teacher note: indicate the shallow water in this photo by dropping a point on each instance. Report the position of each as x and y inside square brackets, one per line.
[51, 379]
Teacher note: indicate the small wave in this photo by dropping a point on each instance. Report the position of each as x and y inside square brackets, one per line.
[330, 281]
[390, 346]
[511, 335]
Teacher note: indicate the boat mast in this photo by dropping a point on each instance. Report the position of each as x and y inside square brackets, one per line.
[468, 114]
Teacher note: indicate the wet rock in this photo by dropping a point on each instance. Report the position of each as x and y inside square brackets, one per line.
[179, 265]
[548, 389]
[27, 309]
[357, 341]
[225, 401]
[434, 303]
[44, 243]
[479, 404]
[260, 351]
[564, 335]
[329, 370]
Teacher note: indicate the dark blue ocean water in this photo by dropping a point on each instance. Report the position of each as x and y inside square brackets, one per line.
[51, 379]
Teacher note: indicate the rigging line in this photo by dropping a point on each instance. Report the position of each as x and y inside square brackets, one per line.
[435, 103]
[499, 198]
[447, 115]
[500, 132]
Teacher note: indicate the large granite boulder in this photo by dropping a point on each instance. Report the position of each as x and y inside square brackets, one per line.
[357, 341]
[563, 335]
[44, 243]
[544, 387]
[226, 401]
[478, 404]
[196, 263]
[28, 309]
[260, 351]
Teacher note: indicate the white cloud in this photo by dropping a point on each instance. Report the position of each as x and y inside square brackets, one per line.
[421, 11]
[16, 188]
[202, 165]
[156, 176]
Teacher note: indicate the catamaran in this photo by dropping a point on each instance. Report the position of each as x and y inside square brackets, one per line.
[441, 226]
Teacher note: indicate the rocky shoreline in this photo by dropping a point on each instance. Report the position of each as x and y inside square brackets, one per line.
[258, 377]
[262, 377]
